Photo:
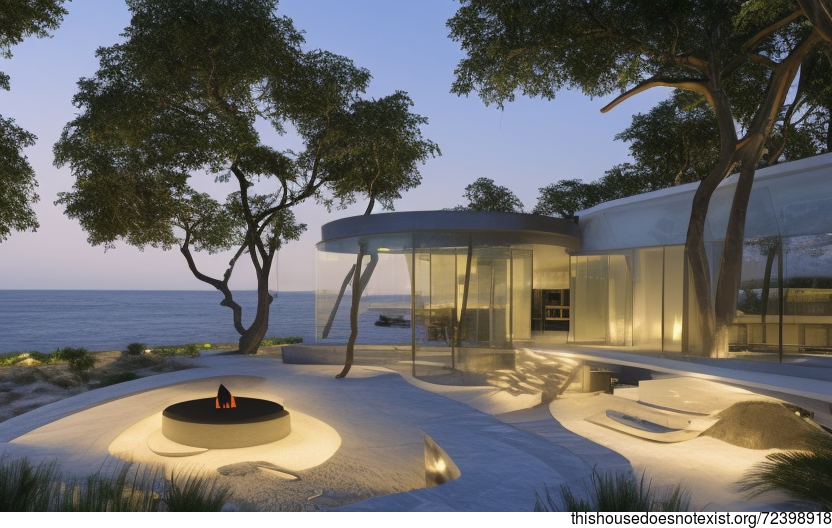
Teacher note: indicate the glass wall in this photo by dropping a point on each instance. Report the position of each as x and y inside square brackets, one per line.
[630, 298]
[786, 287]
[384, 307]
[438, 300]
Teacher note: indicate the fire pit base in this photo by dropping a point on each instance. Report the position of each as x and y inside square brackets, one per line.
[198, 423]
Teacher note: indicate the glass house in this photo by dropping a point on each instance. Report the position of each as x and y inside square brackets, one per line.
[460, 288]
[631, 286]
[464, 289]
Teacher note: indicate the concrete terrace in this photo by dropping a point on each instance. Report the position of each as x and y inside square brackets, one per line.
[506, 448]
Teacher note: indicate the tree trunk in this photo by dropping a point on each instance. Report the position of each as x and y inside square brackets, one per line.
[698, 258]
[730, 270]
[356, 299]
[251, 338]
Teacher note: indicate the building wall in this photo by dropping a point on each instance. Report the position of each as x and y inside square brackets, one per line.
[790, 208]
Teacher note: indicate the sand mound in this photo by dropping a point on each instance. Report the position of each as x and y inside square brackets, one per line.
[765, 425]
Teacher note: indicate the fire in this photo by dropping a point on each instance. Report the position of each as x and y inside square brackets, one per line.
[225, 400]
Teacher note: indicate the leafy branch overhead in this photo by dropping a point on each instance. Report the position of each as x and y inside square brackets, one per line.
[20, 19]
[740, 57]
[189, 95]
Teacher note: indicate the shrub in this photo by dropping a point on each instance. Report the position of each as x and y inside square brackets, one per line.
[14, 358]
[40, 357]
[135, 349]
[191, 350]
[618, 492]
[80, 359]
[274, 341]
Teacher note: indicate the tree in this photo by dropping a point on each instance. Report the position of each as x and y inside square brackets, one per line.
[712, 48]
[380, 147]
[564, 198]
[485, 195]
[676, 142]
[20, 19]
[184, 96]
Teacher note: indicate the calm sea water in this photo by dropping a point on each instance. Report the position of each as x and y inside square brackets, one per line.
[44, 320]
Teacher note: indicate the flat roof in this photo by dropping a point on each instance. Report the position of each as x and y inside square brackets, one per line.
[438, 228]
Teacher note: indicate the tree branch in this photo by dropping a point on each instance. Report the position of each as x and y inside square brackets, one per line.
[694, 85]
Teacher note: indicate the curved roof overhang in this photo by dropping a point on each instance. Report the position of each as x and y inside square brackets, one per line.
[426, 229]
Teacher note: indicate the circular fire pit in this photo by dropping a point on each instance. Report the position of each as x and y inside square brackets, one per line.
[244, 422]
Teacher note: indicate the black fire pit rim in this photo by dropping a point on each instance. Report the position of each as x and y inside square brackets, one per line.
[204, 411]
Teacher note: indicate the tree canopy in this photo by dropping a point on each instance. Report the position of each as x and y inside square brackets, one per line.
[485, 195]
[379, 148]
[20, 19]
[741, 57]
[185, 96]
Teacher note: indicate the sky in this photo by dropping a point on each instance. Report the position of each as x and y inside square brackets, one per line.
[529, 144]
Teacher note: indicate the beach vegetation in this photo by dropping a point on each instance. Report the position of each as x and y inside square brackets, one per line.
[275, 341]
[617, 492]
[31, 358]
[135, 349]
[26, 487]
[739, 60]
[207, 90]
[80, 360]
[192, 492]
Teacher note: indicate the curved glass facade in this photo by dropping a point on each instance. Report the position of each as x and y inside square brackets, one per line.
[457, 287]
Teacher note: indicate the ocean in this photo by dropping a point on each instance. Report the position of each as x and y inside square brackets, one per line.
[43, 320]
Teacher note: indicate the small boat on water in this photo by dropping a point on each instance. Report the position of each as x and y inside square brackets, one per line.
[396, 322]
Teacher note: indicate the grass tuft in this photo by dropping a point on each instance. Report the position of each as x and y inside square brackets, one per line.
[27, 488]
[191, 492]
[617, 492]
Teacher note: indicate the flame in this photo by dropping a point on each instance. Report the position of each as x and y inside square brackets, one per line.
[227, 405]
[226, 397]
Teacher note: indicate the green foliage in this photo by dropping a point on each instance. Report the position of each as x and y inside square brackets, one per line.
[187, 350]
[804, 475]
[566, 197]
[121, 377]
[42, 358]
[378, 149]
[17, 186]
[14, 358]
[135, 349]
[80, 359]
[129, 488]
[20, 19]
[485, 195]
[617, 492]
[191, 492]
[274, 341]
[27, 488]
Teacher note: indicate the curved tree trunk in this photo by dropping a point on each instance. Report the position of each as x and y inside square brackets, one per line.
[252, 337]
[356, 299]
